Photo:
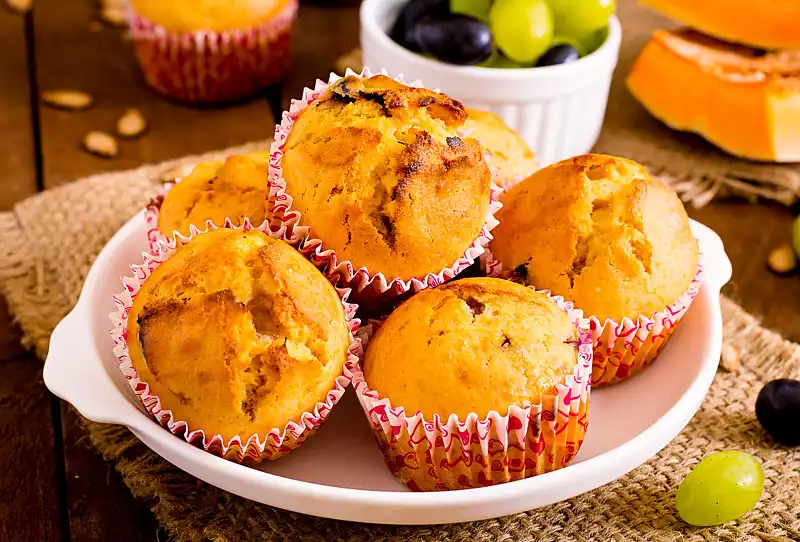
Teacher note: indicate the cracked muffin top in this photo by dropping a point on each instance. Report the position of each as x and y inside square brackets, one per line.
[508, 154]
[235, 189]
[237, 334]
[601, 232]
[381, 177]
[474, 345]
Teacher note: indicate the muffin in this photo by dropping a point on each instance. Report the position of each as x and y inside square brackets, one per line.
[507, 153]
[377, 173]
[237, 336]
[601, 232]
[212, 50]
[216, 191]
[483, 363]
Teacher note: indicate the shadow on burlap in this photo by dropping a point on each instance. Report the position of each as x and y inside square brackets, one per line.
[65, 229]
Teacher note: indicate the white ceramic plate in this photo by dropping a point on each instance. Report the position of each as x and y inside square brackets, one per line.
[340, 473]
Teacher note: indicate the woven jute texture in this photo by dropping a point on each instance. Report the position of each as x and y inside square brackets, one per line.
[696, 169]
[65, 229]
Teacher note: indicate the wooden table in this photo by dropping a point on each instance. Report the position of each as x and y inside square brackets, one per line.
[53, 485]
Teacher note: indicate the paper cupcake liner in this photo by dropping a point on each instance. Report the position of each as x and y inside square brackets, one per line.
[367, 287]
[622, 349]
[155, 237]
[442, 454]
[274, 442]
[209, 67]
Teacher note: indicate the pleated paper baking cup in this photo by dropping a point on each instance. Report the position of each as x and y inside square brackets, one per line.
[210, 67]
[622, 349]
[450, 453]
[273, 442]
[155, 237]
[367, 286]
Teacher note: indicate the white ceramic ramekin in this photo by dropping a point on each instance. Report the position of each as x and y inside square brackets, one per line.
[559, 110]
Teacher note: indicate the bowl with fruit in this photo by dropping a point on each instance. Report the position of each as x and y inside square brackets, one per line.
[544, 66]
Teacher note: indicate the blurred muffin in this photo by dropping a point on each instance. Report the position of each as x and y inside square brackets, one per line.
[379, 174]
[235, 189]
[508, 154]
[237, 334]
[601, 232]
[476, 349]
[212, 50]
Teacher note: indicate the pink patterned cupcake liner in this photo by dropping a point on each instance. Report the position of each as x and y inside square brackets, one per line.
[367, 287]
[274, 442]
[450, 453]
[209, 67]
[622, 349]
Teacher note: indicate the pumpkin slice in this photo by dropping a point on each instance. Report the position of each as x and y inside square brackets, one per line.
[770, 24]
[745, 101]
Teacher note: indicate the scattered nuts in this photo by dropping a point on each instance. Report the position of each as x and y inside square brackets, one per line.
[730, 360]
[131, 124]
[176, 173]
[113, 15]
[100, 144]
[782, 260]
[352, 59]
[20, 6]
[73, 100]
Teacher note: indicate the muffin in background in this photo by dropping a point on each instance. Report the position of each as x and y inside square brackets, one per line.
[237, 334]
[494, 358]
[601, 232]
[377, 171]
[508, 154]
[234, 189]
[210, 51]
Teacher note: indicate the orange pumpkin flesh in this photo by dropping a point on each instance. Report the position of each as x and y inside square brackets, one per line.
[745, 101]
[769, 24]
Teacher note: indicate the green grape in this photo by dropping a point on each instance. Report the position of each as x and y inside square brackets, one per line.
[722, 487]
[796, 235]
[474, 8]
[592, 42]
[522, 29]
[499, 60]
[579, 19]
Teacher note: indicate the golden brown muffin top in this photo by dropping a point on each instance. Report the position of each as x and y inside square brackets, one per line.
[213, 15]
[601, 232]
[235, 189]
[380, 175]
[509, 155]
[474, 345]
[237, 334]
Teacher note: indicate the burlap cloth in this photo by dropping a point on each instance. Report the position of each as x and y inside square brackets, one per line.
[65, 228]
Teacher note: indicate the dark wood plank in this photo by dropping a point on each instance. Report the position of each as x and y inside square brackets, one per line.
[16, 134]
[27, 458]
[101, 62]
[10, 347]
[100, 505]
[321, 36]
[750, 232]
[28, 473]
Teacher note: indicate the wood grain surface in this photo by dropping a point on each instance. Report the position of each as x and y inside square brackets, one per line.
[54, 485]
[70, 54]
[17, 160]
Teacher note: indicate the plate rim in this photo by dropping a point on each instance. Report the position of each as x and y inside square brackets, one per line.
[361, 505]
